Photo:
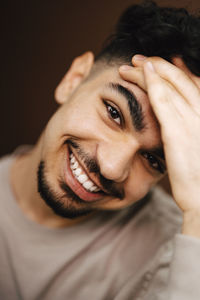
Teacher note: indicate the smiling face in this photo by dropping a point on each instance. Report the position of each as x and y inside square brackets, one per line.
[102, 148]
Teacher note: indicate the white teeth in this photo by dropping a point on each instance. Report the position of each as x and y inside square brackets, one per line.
[75, 166]
[72, 159]
[96, 189]
[88, 184]
[82, 178]
[77, 172]
[92, 189]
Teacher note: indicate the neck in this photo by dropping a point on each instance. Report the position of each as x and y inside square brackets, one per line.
[24, 184]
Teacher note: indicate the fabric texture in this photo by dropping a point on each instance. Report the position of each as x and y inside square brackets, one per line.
[135, 253]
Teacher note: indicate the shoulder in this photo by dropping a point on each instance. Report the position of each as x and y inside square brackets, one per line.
[5, 164]
[158, 213]
[7, 160]
[147, 241]
[165, 211]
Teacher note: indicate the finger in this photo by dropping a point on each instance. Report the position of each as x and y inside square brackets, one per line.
[178, 78]
[167, 103]
[138, 60]
[161, 90]
[178, 62]
[133, 75]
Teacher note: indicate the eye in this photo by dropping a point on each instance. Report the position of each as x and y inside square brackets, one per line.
[154, 162]
[113, 113]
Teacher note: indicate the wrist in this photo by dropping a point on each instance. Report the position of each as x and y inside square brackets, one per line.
[191, 223]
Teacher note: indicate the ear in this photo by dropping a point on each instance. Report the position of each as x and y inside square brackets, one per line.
[78, 71]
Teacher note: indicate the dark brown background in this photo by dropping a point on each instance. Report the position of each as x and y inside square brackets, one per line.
[39, 40]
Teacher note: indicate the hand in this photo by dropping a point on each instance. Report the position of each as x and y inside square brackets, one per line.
[175, 98]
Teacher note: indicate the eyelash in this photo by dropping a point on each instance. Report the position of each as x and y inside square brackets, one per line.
[113, 110]
[152, 160]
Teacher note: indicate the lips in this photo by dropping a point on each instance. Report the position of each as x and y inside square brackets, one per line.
[80, 183]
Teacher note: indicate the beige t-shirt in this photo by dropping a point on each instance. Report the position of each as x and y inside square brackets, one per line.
[130, 254]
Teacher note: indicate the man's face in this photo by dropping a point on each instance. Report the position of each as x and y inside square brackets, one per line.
[101, 149]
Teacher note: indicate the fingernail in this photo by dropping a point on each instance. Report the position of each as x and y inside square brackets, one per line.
[150, 66]
[125, 68]
[139, 57]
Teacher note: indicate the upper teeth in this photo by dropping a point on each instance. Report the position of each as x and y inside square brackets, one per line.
[81, 176]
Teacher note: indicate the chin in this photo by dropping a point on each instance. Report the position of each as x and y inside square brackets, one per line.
[65, 204]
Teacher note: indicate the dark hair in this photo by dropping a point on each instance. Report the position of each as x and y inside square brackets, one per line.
[155, 31]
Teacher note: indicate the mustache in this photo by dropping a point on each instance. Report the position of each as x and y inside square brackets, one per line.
[93, 167]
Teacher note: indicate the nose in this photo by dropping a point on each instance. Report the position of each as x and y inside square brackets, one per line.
[116, 159]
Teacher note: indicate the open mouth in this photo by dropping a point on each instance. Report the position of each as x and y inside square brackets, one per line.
[80, 182]
[81, 176]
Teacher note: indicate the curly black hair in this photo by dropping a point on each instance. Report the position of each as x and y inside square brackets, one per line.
[155, 31]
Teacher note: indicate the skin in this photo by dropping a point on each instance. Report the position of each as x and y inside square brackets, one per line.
[84, 117]
[169, 94]
[174, 94]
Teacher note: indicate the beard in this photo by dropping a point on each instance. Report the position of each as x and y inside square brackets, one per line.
[69, 205]
[73, 208]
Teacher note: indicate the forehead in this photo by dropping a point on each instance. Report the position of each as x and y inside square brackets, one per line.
[105, 75]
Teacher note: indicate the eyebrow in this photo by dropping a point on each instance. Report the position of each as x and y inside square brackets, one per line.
[135, 108]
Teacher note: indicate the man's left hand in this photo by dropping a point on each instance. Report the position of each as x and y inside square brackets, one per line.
[174, 95]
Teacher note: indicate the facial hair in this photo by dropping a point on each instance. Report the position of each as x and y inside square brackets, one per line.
[108, 185]
[74, 207]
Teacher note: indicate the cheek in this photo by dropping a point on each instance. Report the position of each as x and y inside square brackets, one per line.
[68, 121]
[137, 186]
[139, 183]
[79, 119]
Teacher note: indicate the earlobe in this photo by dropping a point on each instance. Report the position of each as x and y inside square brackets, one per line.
[79, 70]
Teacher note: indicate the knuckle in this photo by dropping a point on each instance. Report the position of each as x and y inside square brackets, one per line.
[178, 74]
[155, 59]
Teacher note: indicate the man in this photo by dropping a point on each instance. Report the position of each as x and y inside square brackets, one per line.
[80, 216]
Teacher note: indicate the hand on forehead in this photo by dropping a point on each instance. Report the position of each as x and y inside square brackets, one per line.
[178, 76]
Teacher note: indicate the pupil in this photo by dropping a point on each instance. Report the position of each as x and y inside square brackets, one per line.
[152, 160]
[113, 113]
